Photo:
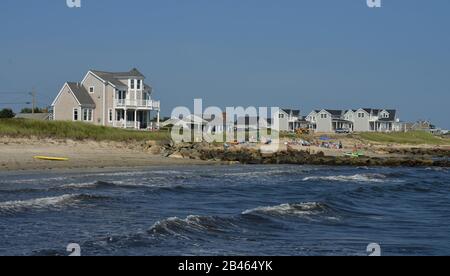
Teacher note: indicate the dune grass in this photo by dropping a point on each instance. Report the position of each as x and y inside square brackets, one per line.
[412, 138]
[21, 128]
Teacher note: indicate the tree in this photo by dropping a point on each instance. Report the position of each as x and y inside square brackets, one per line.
[6, 113]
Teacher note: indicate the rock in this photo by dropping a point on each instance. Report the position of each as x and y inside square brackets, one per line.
[176, 155]
[185, 152]
[151, 143]
[237, 155]
[156, 149]
[195, 154]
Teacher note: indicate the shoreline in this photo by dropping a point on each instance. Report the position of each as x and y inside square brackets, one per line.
[17, 155]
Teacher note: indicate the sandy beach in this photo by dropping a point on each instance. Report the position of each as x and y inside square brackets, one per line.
[17, 155]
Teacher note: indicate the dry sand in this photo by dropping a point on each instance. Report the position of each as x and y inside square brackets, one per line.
[17, 155]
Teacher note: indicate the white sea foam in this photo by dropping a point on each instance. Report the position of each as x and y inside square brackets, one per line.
[80, 185]
[308, 208]
[182, 227]
[39, 203]
[378, 178]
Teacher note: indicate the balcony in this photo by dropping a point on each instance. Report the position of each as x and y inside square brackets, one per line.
[142, 104]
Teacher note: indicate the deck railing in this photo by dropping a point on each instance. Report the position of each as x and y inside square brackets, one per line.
[150, 104]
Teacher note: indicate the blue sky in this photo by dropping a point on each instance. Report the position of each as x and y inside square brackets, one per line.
[290, 53]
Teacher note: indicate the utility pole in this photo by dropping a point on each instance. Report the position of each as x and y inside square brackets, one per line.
[33, 103]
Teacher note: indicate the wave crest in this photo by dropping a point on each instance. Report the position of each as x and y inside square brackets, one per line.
[301, 209]
[369, 177]
[192, 224]
[13, 207]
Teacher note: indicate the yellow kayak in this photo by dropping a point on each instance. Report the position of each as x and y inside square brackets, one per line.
[48, 158]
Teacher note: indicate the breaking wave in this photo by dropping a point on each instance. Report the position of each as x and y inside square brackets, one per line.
[13, 207]
[190, 225]
[377, 178]
[301, 209]
[198, 225]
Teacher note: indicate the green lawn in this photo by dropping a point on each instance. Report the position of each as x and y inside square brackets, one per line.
[73, 130]
[413, 137]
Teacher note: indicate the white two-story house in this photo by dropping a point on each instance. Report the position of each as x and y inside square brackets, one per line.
[378, 120]
[119, 99]
[354, 120]
[289, 119]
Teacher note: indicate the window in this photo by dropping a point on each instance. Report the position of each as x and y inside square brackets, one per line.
[323, 116]
[139, 84]
[121, 95]
[91, 89]
[111, 115]
[120, 115]
[87, 114]
[75, 114]
[281, 116]
[132, 84]
[360, 115]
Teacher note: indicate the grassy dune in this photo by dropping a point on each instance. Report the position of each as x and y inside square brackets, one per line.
[21, 128]
[412, 138]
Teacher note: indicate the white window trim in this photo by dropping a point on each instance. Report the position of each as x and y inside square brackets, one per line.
[93, 89]
[89, 115]
[78, 114]
[138, 84]
[110, 115]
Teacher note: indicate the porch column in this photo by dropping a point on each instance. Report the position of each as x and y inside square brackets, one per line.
[135, 118]
[114, 117]
[157, 120]
[126, 118]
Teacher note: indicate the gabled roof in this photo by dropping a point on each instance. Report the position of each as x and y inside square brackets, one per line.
[294, 112]
[81, 94]
[392, 115]
[335, 113]
[115, 77]
[120, 75]
[189, 120]
[372, 111]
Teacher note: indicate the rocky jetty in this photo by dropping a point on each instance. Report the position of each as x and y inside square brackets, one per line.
[435, 152]
[205, 151]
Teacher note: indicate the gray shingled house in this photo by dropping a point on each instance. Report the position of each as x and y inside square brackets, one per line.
[119, 99]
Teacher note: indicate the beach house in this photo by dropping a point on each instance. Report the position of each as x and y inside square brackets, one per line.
[354, 120]
[290, 119]
[114, 99]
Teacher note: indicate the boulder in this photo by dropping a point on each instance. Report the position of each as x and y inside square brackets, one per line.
[176, 155]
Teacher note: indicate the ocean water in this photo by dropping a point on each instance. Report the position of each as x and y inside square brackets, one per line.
[227, 210]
